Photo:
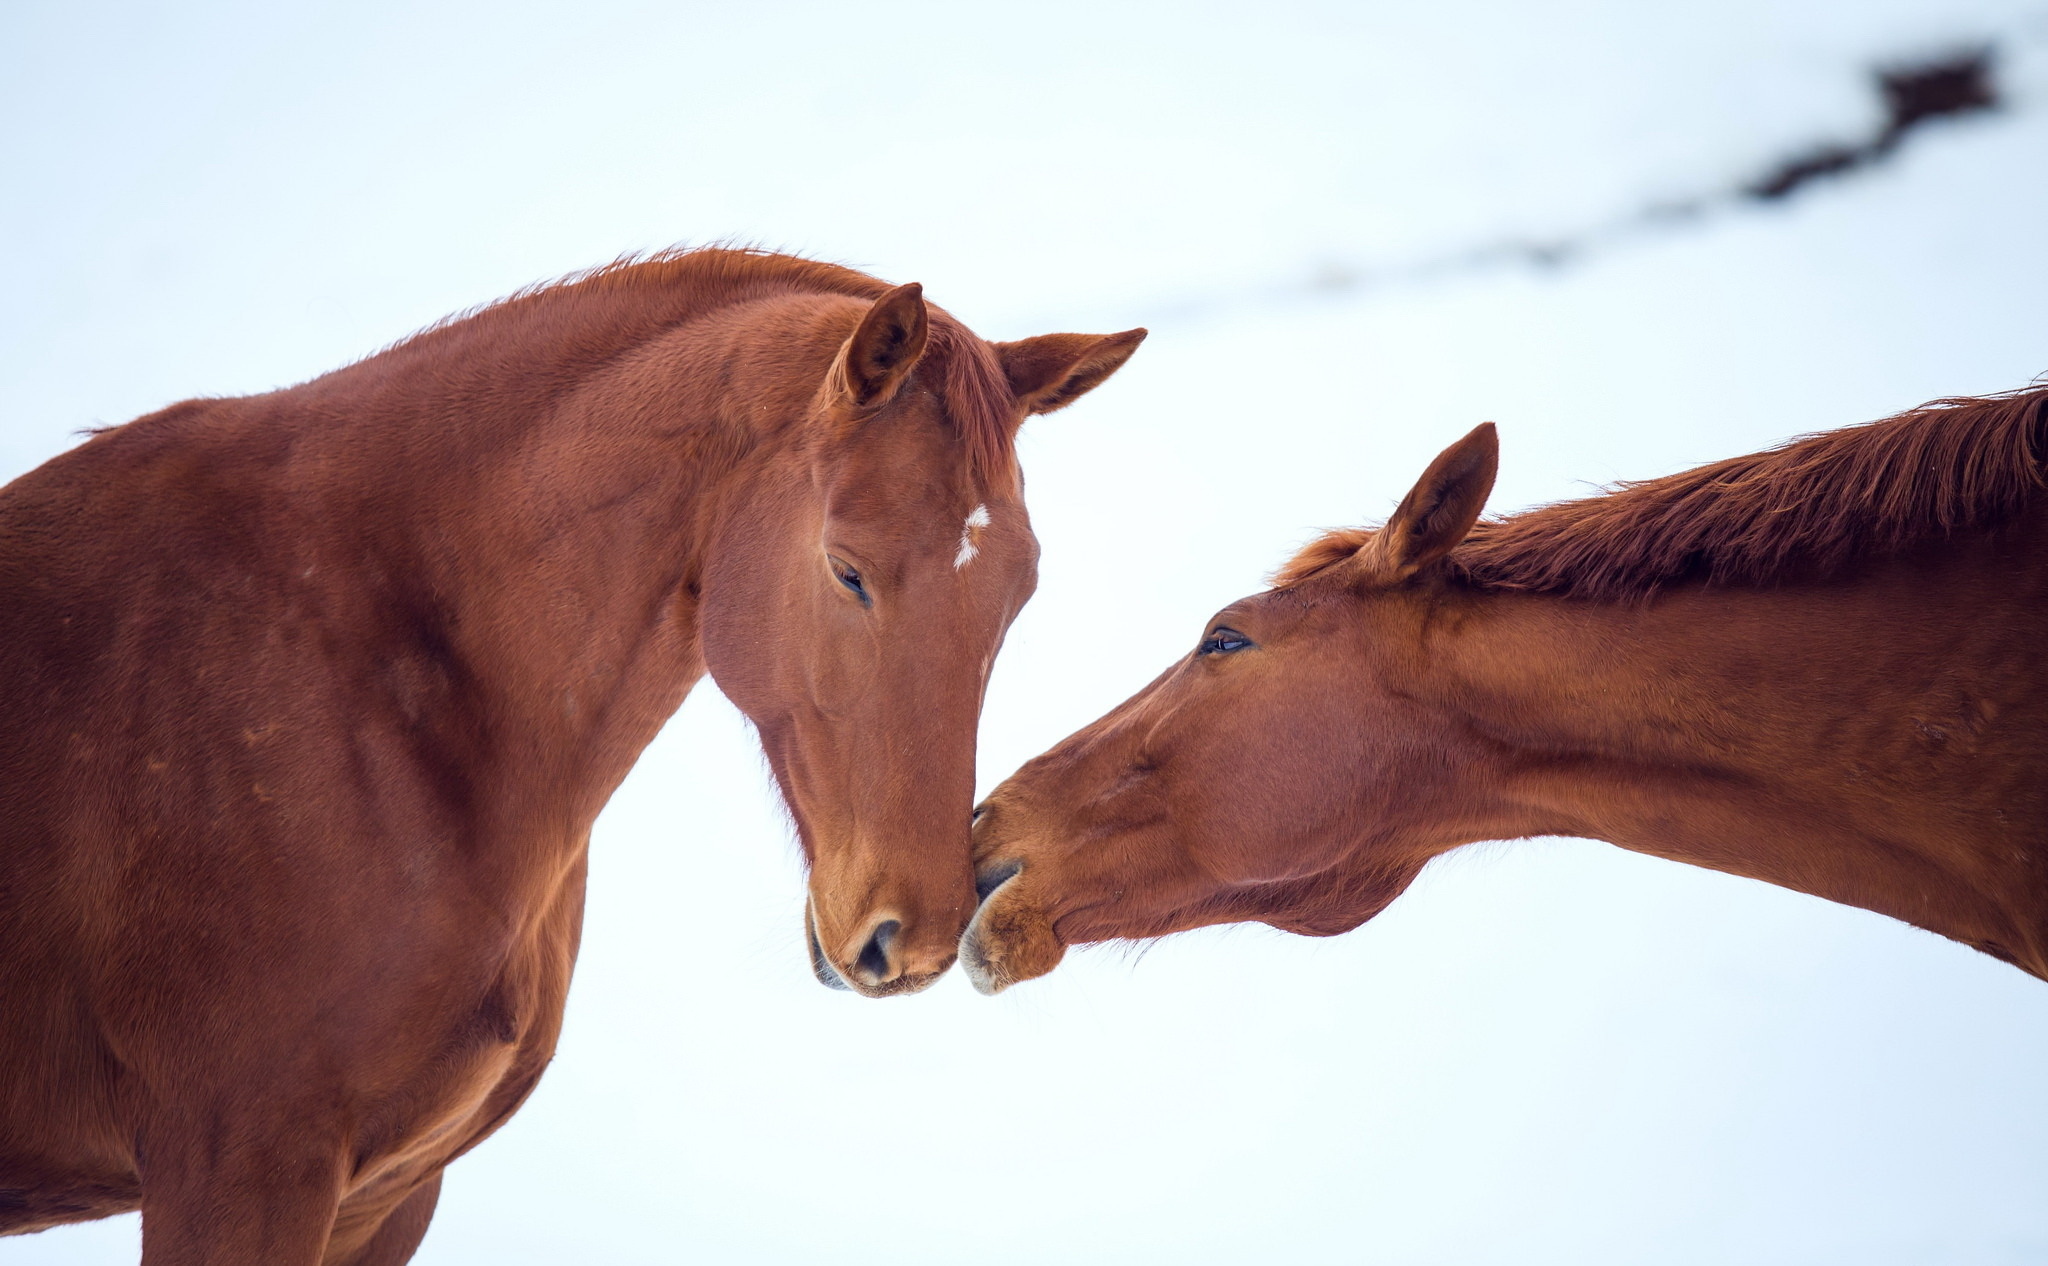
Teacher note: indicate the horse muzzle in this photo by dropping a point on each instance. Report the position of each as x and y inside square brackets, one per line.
[882, 967]
[1010, 938]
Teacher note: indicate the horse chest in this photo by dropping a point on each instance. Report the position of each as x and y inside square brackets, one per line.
[491, 1051]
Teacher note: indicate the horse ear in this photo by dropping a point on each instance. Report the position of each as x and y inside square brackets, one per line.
[884, 349]
[1054, 370]
[1438, 512]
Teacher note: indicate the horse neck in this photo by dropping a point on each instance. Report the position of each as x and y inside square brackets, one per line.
[542, 536]
[1873, 741]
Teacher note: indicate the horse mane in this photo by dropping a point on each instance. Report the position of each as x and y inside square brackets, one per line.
[1805, 509]
[636, 297]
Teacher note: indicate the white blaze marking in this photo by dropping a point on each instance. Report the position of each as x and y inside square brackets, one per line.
[970, 537]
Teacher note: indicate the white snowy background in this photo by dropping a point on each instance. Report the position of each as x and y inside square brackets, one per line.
[1548, 1052]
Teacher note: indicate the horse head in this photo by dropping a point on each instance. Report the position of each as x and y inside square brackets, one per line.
[862, 581]
[1281, 772]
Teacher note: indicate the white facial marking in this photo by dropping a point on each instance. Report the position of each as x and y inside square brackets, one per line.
[970, 537]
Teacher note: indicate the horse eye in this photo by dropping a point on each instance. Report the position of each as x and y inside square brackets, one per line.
[850, 577]
[1222, 641]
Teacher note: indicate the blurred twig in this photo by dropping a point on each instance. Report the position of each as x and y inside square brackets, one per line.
[1953, 83]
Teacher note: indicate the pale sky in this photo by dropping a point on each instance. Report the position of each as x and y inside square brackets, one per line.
[1550, 1051]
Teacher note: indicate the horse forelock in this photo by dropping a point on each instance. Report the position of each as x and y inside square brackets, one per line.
[1325, 551]
[977, 397]
[1805, 509]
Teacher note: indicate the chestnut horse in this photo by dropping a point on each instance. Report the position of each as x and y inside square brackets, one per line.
[308, 701]
[1823, 666]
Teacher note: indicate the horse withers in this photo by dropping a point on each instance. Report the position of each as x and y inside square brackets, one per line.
[1824, 666]
[308, 701]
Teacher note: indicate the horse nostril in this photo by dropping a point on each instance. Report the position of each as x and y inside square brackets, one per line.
[993, 877]
[874, 956]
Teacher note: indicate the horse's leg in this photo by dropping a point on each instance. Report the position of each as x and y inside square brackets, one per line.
[232, 1192]
[393, 1241]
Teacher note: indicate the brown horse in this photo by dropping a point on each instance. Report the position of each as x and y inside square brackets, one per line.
[1823, 666]
[308, 701]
